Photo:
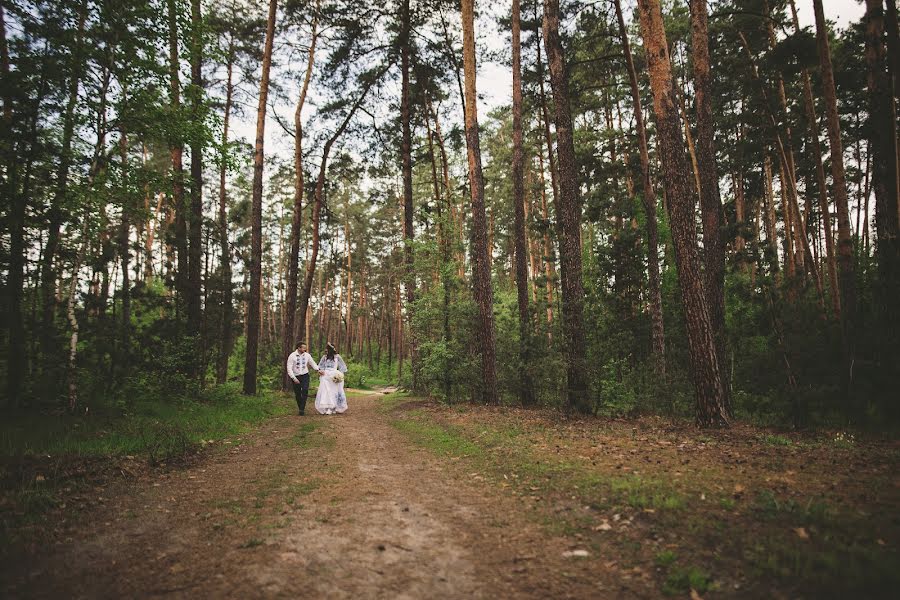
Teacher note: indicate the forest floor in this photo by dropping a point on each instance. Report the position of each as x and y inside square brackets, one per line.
[404, 498]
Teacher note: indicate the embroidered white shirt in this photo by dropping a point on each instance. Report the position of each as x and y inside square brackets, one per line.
[298, 364]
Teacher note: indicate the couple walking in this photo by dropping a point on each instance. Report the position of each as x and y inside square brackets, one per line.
[330, 397]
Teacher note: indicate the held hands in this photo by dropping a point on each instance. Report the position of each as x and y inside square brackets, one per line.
[321, 372]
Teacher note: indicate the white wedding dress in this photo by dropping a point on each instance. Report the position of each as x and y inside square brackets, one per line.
[330, 398]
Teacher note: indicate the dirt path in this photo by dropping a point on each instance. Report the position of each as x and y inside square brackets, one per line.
[316, 507]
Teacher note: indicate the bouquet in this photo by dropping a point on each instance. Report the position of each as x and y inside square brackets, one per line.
[338, 377]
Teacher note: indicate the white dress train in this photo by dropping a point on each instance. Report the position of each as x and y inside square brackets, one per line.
[330, 397]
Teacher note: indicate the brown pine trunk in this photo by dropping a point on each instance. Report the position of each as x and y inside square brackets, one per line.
[711, 411]
[225, 328]
[17, 365]
[253, 313]
[771, 231]
[545, 116]
[790, 167]
[406, 157]
[549, 271]
[710, 197]
[50, 272]
[195, 289]
[648, 198]
[481, 269]
[124, 254]
[839, 180]
[789, 189]
[289, 333]
[568, 216]
[809, 106]
[526, 393]
[883, 144]
[176, 151]
[318, 199]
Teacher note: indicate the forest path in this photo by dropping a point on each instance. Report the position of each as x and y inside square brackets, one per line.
[315, 507]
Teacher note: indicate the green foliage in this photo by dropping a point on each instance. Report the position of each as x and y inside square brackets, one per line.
[159, 428]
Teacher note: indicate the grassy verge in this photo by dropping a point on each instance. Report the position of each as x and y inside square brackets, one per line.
[155, 428]
[47, 458]
[734, 516]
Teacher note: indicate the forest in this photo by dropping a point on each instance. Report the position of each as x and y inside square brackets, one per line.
[607, 213]
[713, 233]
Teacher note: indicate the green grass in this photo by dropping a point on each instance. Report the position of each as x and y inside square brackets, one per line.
[665, 558]
[436, 438]
[775, 440]
[682, 580]
[159, 429]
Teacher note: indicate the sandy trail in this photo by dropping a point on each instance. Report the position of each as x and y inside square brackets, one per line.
[350, 510]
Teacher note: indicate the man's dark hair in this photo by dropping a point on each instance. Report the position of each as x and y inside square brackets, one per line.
[300, 343]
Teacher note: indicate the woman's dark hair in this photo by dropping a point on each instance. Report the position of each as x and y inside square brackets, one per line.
[330, 351]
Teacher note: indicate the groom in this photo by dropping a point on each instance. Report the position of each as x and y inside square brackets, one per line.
[298, 364]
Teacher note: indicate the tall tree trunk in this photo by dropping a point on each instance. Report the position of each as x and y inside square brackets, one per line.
[57, 205]
[845, 244]
[771, 230]
[549, 271]
[882, 128]
[710, 198]
[176, 151]
[790, 165]
[481, 269]
[406, 157]
[17, 365]
[791, 205]
[195, 237]
[289, 333]
[318, 199]
[526, 391]
[705, 366]
[545, 113]
[648, 198]
[809, 106]
[225, 335]
[124, 254]
[253, 312]
[568, 215]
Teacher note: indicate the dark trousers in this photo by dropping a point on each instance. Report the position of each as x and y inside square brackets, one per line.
[301, 391]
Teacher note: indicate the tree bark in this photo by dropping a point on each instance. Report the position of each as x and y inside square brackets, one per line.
[225, 335]
[48, 270]
[176, 151]
[289, 334]
[710, 197]
[16, 370]
[481, 269]
[124, 254]
[318, 198]
[648, 198]
[839, 180]
[195, 237]
[253, 312]
[526, 391]
[406, 157]
[568, 216]
[882, 128]
[809, 105]
[710, 396]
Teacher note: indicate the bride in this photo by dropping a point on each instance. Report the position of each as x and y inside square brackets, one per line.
[330, 398]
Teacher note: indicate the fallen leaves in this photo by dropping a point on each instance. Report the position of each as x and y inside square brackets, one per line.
[801, 533]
